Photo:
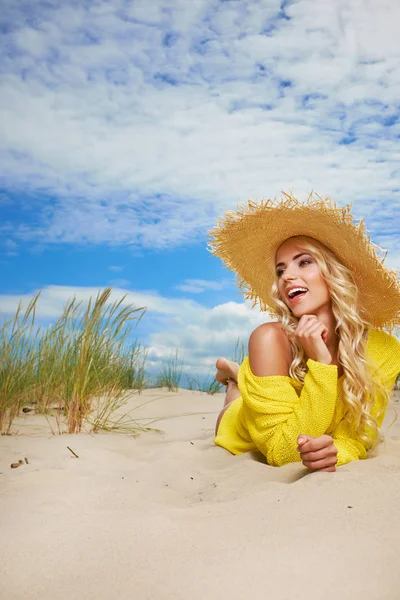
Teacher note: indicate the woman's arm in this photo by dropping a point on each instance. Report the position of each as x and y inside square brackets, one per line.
[384, 351]
[274, 414]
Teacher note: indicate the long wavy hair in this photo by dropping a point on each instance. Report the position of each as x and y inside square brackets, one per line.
[361, 381]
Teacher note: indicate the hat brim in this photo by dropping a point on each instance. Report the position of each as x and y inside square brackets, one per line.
[247, 241]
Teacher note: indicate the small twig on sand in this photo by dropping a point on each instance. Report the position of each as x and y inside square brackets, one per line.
[74, 453]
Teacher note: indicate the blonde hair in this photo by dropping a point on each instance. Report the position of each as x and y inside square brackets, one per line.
[361, 381]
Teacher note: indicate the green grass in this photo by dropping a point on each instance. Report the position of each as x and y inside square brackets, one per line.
[83, 356]
[134, 375]
[17, 351]
[78, 369]
[240, 352]
[171, 373]
[208, 386]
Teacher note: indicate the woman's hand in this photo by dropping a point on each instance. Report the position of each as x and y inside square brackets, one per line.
[317, 453]
[312, 334]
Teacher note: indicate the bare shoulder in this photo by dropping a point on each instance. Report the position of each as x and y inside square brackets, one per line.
[269, 350]
[270, 332]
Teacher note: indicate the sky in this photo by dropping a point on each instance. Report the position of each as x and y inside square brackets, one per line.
[128, 127]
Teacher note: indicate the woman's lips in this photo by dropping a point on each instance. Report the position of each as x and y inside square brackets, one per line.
[297, 298]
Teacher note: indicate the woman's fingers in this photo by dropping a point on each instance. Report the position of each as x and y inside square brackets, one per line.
[317, 465]
[313, 329]
[312, 334]
[319, 454]
[305, 322]
[314, 443]
[305, 319]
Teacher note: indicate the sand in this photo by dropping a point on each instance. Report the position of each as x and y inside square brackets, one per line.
[170, 516]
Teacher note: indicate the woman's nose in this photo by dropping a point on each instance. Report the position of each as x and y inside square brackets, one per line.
[288, 275]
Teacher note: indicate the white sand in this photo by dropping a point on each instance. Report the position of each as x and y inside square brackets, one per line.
[170, 516]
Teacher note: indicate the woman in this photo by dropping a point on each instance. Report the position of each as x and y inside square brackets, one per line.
[316, 383]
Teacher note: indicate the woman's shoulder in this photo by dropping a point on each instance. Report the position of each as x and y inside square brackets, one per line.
[269, 350]
[271, 332]
[380, 341]
[384, 350]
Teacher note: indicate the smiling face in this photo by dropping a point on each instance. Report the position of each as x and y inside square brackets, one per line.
[301, 285]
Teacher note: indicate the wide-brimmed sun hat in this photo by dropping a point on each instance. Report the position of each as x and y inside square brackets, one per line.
[247, 240]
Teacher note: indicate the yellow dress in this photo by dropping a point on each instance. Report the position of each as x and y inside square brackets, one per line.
[273, 411]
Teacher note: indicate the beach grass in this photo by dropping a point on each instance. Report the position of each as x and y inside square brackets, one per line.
[171, 373]
[17, 351]
[240, 352]
[84, 355]
[79, 368]
[209, 385]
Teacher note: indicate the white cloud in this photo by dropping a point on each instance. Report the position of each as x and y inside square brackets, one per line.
[53, 299]
[213, 332]
[116, 268]
[120, 283]
[10, 247]
[197, 286]
[10, 244]
[147, 122]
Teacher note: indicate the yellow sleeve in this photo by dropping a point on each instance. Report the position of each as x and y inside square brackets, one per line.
[384, 350]
[349, 446]
[275, 415]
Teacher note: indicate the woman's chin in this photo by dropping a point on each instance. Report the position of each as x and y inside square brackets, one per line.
[307, 308]
[298, 311]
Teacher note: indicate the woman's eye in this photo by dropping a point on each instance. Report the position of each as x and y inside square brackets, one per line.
[305, 261]
[279, 272]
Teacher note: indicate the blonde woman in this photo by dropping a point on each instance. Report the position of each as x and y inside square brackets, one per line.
[316, 383]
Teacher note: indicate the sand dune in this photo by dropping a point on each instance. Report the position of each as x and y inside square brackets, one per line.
[170, 516]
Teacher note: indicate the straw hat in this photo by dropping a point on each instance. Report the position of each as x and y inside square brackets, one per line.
[247, 240]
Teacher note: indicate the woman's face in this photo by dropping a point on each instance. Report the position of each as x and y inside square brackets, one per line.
[296, 268]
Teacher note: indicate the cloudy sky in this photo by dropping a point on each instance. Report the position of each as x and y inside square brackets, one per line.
[128, 127]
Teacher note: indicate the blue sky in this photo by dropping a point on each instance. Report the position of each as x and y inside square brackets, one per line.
[127, 128]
